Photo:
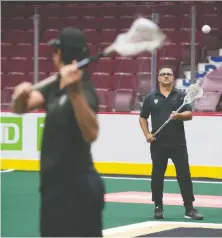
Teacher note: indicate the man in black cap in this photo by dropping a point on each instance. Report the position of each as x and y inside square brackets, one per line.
[72, 192]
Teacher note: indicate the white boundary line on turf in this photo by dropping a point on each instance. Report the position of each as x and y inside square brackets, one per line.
[167, 180]
[149, 224]
[139, 179]
[7, 171]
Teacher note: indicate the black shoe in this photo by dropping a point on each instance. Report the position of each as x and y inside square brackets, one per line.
[192, 213]
[158, 212]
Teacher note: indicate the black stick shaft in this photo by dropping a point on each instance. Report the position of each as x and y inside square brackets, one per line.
[80, 64]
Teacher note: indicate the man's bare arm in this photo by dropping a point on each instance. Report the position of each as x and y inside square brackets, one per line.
[144, 126]
[185, 116]
[25, 100]
[85, 116]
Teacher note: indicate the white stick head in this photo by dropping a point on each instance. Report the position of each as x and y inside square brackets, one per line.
[194, 92]
[143, 36]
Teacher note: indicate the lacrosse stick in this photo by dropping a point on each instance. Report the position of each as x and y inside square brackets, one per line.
[143, 36]
[195, 91]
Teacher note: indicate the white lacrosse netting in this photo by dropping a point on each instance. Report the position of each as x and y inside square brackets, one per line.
[143, 36]
[195, 91]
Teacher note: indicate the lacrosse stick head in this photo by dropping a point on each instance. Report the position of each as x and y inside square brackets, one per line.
[143, 36]
[195, 91]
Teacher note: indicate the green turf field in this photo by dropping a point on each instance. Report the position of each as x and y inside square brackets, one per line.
[20, 203]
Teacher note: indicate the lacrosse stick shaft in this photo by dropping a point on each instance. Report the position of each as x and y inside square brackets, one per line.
[167, 121]
[108, 50]
[80, 64]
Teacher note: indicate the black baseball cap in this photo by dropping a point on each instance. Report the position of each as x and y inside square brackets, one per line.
[70, 38]
[73, 41]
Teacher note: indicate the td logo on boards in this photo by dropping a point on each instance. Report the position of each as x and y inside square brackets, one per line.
[11, 133]
[40, 128]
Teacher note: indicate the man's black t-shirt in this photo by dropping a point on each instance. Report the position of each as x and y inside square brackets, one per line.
[65, 156]
[160, 108]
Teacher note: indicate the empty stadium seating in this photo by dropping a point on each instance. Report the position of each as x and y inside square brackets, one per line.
[118, 80]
